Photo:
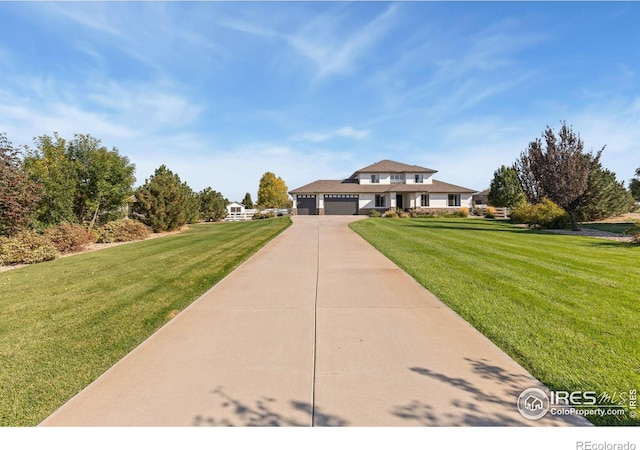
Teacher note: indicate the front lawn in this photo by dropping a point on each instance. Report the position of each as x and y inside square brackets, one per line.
[64, 322]
[567, 308]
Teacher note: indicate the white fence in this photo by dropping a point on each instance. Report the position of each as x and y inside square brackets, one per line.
[500, 213]
[247, 214]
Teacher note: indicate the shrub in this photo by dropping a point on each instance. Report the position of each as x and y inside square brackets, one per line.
[263, 215]
[69, 237]
[543, 215]
[491, 212]
[27, 247]
[124, 230]
[634, 233]
[464, 212]
[390, 214]
[421, 213]
[374, 213]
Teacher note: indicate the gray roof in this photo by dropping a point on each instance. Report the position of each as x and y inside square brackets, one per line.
[387, 165]
[349, 187]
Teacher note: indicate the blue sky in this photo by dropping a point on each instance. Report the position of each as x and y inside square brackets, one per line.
[222, 92]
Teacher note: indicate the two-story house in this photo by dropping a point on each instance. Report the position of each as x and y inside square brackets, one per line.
[382, 186]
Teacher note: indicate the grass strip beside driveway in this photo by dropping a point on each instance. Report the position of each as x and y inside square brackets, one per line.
[64, 322]
[567, 308]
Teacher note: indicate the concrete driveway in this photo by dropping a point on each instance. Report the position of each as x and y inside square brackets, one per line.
[317, 328]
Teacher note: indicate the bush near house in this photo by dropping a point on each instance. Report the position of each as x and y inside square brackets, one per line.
[464, 212]
[490, 213]
[374, 213]
[124, 230]
[390, 214]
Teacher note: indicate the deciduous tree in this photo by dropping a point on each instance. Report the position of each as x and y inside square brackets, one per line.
[49, 165]
[104, 178]
[18, 194]
[505, 190]
[81, 179]
[272, 192]
[557, 169]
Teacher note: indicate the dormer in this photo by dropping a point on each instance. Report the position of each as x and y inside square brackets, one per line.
[392, 172]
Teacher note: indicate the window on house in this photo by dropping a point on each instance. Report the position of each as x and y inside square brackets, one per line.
[397, 178]
[379, 201]
[454, 199]
[418, 178]
[235, 209]
[375, 178]
[424, 200]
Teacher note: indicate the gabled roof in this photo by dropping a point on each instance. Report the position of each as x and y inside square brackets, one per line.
[386, 165]
[349, 187]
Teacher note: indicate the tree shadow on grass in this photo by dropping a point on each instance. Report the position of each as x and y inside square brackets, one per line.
[473, 410]
[264, 412]
[463, 227]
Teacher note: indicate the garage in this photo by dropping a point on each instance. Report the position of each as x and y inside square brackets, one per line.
[306, 205]
[341, 204]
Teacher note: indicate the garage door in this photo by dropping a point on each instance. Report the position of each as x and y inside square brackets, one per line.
[306, 205]
[341, 204]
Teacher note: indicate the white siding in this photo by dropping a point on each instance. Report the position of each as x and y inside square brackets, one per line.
[466, 200]
[235, 205]
[367, 201]
[365, 178]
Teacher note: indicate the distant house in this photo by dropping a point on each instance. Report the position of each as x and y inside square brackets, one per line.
[235, 208]
[381, 186]
[481, 199]
[237, 212]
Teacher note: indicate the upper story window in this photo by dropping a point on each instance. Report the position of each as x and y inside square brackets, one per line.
[397, 178]
[418, 178]
[375, 178]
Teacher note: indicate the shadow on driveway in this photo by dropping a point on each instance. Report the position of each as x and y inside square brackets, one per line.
[262, 413]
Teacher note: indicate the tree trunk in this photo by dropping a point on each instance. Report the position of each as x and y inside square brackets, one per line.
[574, 224]
[95, 217]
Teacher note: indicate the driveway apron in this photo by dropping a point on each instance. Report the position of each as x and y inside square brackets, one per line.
[317, 328]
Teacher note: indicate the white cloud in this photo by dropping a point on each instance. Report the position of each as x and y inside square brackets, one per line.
[344, 132]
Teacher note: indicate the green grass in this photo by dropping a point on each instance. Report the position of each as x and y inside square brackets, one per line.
[567, 308]
[64, 322]
[610, 227]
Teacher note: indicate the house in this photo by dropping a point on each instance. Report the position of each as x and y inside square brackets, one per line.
[481, 199]
[235, 208]
[381, 186]
[236, 212]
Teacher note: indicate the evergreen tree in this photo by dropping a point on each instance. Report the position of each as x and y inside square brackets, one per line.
[605, 197]
[247, 202]
[634, 185]
[164, 202]
[213, 205]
